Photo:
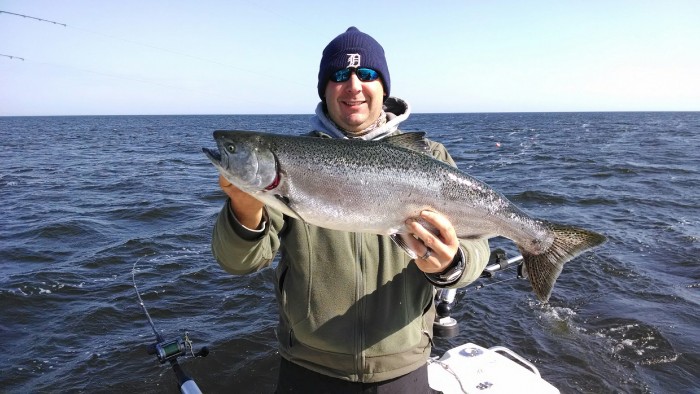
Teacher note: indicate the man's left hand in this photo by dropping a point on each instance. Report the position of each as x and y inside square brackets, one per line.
[435, 249]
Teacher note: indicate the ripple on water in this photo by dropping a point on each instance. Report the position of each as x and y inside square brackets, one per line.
[634, 341]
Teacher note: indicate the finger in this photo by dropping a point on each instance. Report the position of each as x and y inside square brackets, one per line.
[443, 246]
[232, 191]
[444, 227]
[429, 262]
[416, 245]
[424, 237]
[426, 262]
[444, 249]
[223, 182]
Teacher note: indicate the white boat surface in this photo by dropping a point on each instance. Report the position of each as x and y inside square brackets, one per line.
[470, 368]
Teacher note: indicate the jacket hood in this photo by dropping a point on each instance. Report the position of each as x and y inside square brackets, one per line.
[396, 109]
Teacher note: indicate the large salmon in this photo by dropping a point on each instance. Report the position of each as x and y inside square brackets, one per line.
[374, 186]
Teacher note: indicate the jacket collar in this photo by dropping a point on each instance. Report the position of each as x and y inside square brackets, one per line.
[397, 110]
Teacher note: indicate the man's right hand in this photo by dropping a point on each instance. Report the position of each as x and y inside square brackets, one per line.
[246, 208]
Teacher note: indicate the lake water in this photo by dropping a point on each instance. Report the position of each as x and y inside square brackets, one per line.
[85, 198]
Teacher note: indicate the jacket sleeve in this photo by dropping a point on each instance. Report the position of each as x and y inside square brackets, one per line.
[476, 251]
[240, 251]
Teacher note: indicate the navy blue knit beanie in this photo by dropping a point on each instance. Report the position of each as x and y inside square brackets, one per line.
[352, 49]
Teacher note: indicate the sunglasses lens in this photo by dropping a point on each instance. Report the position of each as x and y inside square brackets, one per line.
[341, 75]
[366, 74]
[363, 74]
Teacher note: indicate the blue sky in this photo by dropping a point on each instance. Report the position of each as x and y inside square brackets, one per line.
[249, 57]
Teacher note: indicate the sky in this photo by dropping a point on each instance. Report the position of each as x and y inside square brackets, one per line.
[261, 57]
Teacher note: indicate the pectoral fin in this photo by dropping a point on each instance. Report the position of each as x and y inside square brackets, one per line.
[285, 200]
[402, 244]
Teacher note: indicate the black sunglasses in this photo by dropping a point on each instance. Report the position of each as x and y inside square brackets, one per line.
[363, 74]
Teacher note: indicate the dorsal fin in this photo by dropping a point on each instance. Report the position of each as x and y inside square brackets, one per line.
[414, 141]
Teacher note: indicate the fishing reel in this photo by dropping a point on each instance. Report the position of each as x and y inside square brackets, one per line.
[170, 350]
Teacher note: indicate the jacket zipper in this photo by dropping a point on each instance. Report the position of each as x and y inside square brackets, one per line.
[359, 292]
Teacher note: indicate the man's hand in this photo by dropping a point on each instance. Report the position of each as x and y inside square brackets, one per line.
[247, 209]
[435, 251]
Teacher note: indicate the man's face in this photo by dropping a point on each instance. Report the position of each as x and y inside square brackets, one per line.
[354, 105]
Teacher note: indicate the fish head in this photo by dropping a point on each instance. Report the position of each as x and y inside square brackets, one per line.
[244, 159]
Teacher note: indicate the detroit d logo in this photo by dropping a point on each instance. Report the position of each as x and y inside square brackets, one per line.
[353, 60]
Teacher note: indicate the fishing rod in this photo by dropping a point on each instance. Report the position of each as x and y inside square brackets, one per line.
[170, 350]
[12, 57]
[33, 17]
[445, 326]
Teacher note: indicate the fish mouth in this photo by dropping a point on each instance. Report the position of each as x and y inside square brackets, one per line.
[213, 155]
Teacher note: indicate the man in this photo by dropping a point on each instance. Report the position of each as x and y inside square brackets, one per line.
[356, 312]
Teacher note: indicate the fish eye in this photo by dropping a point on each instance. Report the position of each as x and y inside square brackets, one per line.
[231, 148]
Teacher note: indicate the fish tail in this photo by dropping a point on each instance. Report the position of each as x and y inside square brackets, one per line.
[543, 269]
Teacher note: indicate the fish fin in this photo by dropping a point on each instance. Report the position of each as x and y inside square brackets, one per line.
[414, 141]
[398, 240]
[285, 200]
[544, 269]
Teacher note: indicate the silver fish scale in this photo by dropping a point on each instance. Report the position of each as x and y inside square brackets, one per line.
[375, 186]
[336, 184]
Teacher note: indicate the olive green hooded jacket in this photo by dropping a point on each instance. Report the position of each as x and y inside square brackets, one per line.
[352, 305]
